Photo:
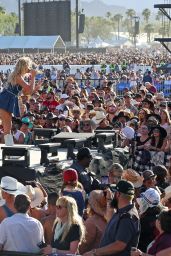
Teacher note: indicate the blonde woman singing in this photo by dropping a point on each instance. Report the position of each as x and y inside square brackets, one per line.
[69, 230]
[9, 96]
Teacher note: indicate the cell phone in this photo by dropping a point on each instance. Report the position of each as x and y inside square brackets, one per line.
[42, 245]
[105, 180]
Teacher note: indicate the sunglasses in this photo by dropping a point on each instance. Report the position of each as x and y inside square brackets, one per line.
[86, 125]
[59, 207]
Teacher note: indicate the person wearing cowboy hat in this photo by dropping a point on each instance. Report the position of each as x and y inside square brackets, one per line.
[158, 138]
[127, 132]
[128, 103]
[153, 120]
[20, 232]
[95, 223]
[10, 187]
[149, 104]
[38, 196]
[101, 121]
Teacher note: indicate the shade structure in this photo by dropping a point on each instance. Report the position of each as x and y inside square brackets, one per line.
[31, 42]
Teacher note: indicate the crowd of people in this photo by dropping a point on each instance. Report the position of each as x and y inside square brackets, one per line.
[128, 215]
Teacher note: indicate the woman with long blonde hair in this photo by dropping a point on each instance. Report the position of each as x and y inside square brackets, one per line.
[69, 230]
[9, 96]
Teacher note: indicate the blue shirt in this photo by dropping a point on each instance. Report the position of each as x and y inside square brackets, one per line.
[124, 226]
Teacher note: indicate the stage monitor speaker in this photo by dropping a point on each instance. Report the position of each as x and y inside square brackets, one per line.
[22, 174]
[81, 23]
[137, 27]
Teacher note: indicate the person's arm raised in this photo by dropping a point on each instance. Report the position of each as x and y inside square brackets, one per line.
[28, 88]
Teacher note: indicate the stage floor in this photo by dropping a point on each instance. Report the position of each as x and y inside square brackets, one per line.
[35, 155]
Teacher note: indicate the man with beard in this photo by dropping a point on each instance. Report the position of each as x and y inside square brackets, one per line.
[123, 230]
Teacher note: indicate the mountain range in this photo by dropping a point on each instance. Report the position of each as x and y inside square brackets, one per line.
[96, 7]
[93, 8]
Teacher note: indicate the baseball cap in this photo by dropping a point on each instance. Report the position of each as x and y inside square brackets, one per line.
[84, 152]
[148, 174]
[70, 175]
[64, 96]
[125, 187]
[151, 196]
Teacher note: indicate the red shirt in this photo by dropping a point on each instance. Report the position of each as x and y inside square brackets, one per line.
[51, 104]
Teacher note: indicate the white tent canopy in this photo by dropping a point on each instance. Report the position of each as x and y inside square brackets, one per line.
[31, 42]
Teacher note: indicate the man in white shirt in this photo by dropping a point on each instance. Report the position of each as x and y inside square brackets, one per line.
[20, 232]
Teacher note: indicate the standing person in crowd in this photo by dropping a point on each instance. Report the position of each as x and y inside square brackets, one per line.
[25, 128]
[149, 208]
[123, 230]
[115, 173]
[96, 222]
[9, 96]
[69, 230]
[18, 136]
[163, 240]
[84, 158]
[10, 187]
[71, 187]
[21, 233]
[48, 221]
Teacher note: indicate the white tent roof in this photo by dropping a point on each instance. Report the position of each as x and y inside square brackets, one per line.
[31, 42]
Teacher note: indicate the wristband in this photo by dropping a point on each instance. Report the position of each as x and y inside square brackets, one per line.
[94, 252]
[53, 250]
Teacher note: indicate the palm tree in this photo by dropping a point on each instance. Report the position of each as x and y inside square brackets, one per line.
[2, 10]
[159, 15]
[108, 15]
[118, 18]
[149, 28]
[130, 13]
[146, 14]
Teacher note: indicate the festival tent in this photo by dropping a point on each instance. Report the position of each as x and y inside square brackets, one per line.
[31, 42]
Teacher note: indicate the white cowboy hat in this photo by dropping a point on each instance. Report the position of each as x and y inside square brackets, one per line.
[12, 186]
[100, 115]
[35, 194]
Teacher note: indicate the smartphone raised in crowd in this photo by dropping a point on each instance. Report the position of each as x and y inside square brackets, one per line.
[105, 180]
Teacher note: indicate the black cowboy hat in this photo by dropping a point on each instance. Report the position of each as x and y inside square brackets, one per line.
[161, 129]
[151, 103]
[156, 116]
[121, 114]
[51, 116]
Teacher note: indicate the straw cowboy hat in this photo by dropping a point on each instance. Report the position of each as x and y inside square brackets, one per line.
[167, 195]
[134, 177]
[12, 186]
[100, 116]
[97, 202]
[35, 194]
[160, 96]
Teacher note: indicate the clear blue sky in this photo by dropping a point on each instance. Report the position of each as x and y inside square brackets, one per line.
[138, 5]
